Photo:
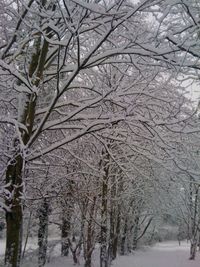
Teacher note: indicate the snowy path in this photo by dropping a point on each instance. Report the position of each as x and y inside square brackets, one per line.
[167, 254]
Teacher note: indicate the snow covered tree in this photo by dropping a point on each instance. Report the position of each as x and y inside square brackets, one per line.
[60, 62]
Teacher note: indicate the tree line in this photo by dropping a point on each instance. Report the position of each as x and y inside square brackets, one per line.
[96, 124]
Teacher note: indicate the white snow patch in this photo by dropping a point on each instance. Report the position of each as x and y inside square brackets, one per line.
[165, 254]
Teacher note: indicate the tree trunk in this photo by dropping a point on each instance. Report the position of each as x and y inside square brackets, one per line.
[43, 233]
[88, 261]
[104, 203]
[124, 236]
[14, 179]
[27, 235]
[75, 249]
[64, 236]
[89, 247]
[193, 249]
[194, 228]
[112, 230]
[14, 214]
[75, 259]
[113, 221]
[116, 236]
[67, 211]
[103, 249]
[135, 233]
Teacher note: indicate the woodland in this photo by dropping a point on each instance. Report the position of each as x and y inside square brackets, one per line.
[99, 137]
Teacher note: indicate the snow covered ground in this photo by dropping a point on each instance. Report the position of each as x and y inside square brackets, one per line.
[165, 254]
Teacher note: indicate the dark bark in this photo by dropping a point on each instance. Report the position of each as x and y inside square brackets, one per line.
[112, 219]
[67, 212]
[14, 215]
[145, 229]
[88, 261]
[124, 236]
[135, 233]
[90, 236]
[75, 251]
[114, 229]
[116, 237]
[43, 232]
[104, 202]
[194, 225]
[193, 249]
[75, 259]
[14, 179]
[27, 235]
[65, 235]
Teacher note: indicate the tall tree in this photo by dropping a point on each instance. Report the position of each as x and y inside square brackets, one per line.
[52, 61]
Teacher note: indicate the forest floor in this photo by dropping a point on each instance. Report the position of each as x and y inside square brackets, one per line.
[164, 254]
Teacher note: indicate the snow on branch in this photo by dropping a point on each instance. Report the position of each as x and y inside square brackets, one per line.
[12, 70]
